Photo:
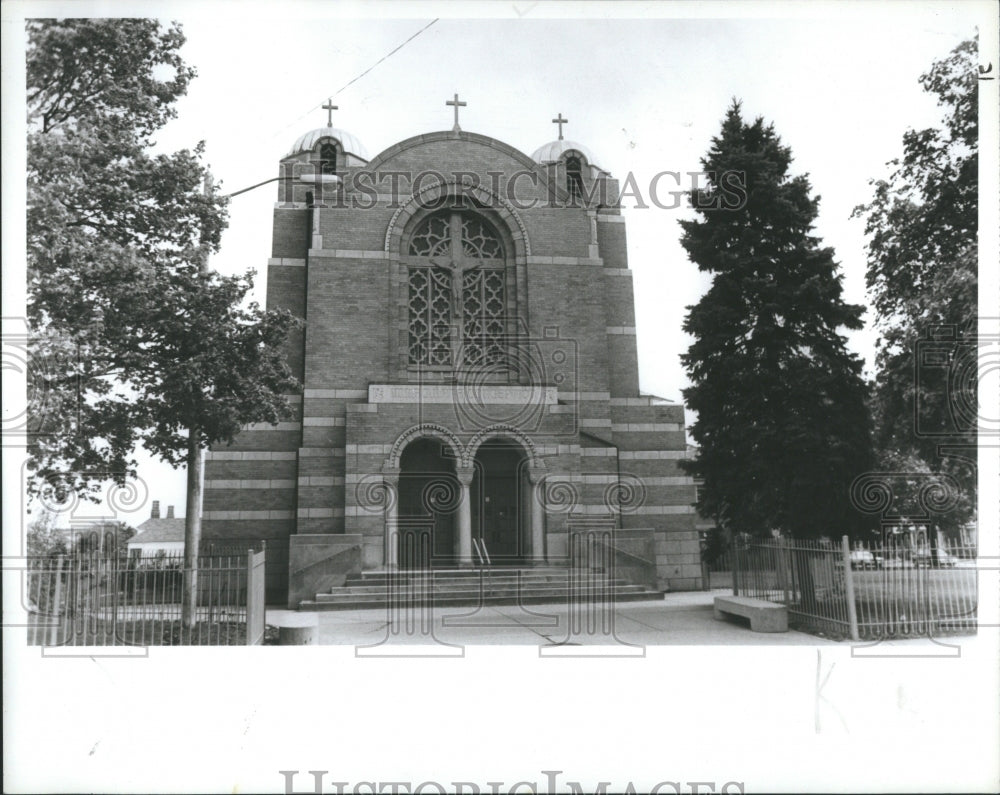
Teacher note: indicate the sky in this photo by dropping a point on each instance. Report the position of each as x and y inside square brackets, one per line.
[644, 94]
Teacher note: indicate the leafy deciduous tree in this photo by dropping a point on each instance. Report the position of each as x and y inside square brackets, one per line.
[922, 225]
[133, 338]
[43, 539]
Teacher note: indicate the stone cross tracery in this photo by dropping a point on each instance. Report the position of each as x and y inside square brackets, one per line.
[456, 261]
[466, 262]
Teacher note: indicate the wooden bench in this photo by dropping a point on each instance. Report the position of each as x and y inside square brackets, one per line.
[764, 616]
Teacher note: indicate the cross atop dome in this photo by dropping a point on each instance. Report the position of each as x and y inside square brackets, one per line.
[329, 107]
[560, 121]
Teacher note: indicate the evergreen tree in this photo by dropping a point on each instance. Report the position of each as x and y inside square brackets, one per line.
[782, 422]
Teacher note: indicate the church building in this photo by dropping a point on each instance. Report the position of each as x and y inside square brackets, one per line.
[470, 382]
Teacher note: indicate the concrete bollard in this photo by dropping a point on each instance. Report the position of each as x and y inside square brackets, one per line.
[306, 635]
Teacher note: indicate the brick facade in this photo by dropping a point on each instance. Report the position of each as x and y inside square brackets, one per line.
[593, 449]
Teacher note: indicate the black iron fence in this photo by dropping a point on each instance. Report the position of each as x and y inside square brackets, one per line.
[717, 568]
[896, 589]
[97, 599]
[276, 569]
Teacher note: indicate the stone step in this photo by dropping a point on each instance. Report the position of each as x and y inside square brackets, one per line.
[470, 599]
[448, 586]
[478, 587]
[460, 578]
[379, 593]
[340, 594]
[464, 582]
[468, 595]
[459, 587]
[465, 572]
[449, 575]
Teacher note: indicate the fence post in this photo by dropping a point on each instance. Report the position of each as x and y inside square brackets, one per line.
[782, 573]
[255, 610]
[55, 606]
[706, 577]
[736, 568]
[852, 608]
[249, 617]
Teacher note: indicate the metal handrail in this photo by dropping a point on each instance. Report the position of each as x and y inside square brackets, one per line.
[479, 545]
[625, 553]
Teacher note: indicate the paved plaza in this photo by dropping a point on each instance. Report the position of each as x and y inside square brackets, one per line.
[681, 619]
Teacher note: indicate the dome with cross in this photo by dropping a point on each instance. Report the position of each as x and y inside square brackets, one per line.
[349, 144]
[554, 151]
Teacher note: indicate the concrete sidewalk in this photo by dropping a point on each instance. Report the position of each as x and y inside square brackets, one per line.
[680, 619]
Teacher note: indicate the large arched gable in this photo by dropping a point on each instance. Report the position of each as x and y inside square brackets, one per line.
[383, 158]
[389, 159]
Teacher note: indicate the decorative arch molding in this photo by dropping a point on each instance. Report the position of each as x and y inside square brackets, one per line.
[484, 140]
[504, 431]
[423, 430]
[419, 202]
[465, 454]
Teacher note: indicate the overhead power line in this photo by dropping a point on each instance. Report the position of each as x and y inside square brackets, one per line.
[387, 55]
[356, 79]
[342, 88]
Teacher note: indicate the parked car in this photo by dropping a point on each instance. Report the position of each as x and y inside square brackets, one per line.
[923, 557]
[863, 559]
[896, 560]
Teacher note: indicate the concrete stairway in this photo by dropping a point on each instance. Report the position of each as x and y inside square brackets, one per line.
[472, 587]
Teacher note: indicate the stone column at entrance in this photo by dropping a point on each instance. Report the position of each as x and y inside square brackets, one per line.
[463, 540]
[390, 482]
[537, 479]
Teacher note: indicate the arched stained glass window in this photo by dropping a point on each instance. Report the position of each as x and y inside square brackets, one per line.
[457, 292]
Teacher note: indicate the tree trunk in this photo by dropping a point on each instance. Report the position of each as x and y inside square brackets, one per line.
[192, 532]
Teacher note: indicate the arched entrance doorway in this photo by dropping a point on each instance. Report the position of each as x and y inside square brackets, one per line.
[429, 495]
[501, 510]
